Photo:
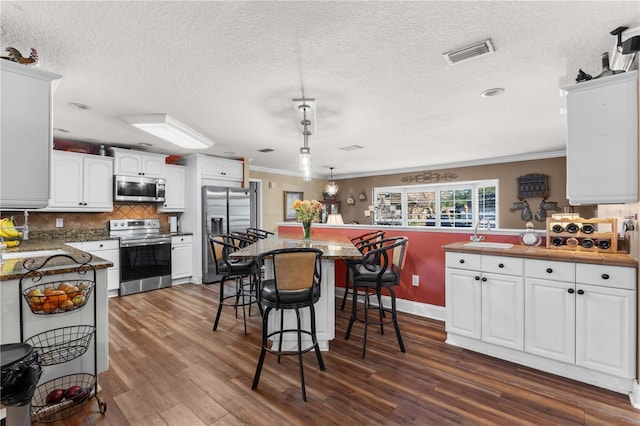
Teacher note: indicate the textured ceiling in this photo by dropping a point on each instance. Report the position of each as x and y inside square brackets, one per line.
[230, 70]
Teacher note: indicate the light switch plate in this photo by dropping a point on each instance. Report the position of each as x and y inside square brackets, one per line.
[59, 222]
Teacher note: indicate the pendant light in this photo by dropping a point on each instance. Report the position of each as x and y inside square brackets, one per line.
[305, 151]
[331, 188]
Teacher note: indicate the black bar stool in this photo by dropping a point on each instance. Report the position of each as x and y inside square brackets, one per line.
[295, 285]
[361, 242]
[380, 269]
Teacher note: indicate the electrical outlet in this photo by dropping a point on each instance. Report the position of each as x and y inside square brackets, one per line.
[59, 222]
[415, 280]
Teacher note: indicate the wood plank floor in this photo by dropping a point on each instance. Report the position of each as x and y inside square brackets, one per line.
[169, 368]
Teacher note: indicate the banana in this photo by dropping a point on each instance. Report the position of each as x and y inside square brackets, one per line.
[7, 228]
[8, 265]
[12, 243]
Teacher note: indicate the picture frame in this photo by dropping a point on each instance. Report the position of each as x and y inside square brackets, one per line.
[290, 215]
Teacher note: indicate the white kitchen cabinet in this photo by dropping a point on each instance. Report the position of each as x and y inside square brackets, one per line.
[602, 135]
[221, 168]
[174, 189]
[181, 254]
[108, 250]
[605, 319]
[81, 182]
[136, 163]
[25, 135]
[485, 298]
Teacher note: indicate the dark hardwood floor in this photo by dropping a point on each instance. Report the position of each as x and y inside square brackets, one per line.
[169, 368]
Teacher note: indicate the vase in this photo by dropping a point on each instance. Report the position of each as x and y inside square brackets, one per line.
[306, 228]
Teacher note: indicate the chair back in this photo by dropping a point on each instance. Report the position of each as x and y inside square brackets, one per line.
[295, 270]
[386, 255]
[221, 246]
[259, 233]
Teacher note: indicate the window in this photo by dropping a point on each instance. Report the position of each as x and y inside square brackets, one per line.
[457, 205]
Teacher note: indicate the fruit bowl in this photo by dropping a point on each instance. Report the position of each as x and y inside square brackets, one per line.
[60, 398]
[62, 344]
[58, 296]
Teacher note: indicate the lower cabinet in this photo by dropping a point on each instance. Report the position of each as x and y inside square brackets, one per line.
[573, 319]
[181, 257]
[108, 250]
[483, 303]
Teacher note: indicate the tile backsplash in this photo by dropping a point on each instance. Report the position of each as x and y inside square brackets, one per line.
[46, 221]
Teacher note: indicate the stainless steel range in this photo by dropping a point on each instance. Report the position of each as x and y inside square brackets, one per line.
[145, 255]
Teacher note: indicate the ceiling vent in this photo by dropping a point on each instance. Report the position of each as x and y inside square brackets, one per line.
[265, 150]
[469, 52]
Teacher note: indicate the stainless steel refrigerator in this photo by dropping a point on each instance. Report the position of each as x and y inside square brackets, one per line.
[225, 210]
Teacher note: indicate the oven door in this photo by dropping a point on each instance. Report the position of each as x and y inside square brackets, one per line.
[144, 267]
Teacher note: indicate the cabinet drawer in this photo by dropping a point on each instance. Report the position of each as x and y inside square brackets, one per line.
[548, 270]
[606, 276]
[463, 261]
[181, 239]
[100, 245]
[502, 265]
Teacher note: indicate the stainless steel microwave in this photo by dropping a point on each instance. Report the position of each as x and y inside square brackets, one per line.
[138, 189]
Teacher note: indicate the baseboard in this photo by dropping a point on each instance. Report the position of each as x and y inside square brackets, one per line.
[634, 396]
[407, 306]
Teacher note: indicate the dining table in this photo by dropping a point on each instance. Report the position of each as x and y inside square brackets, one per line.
[334, 248]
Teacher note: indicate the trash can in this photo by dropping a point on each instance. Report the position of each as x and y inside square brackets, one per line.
[20, 372]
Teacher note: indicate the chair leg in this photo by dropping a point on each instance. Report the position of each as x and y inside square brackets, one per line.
[346, 289]
[366, 323]
[314, 338]
[380, 310]
[300, 365]
[281, 334]
[395, 319]
[354, 308]
[263, 350]
[215, 324]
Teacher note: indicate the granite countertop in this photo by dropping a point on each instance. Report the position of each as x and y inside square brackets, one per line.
[532, 252]
[11, 269]
[334, 247]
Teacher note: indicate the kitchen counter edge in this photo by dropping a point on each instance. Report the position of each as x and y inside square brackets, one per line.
[543, 253]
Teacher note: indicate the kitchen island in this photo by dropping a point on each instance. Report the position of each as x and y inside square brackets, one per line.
[334, 248]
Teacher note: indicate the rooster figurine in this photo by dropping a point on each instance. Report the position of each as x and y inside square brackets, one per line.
[15, 56]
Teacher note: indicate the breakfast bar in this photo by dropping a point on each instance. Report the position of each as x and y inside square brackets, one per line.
[334, 248]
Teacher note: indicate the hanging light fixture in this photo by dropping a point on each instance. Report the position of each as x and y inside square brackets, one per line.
[305, 151]
[331, 188]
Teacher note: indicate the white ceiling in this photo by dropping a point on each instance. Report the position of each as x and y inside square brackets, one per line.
[230, 69]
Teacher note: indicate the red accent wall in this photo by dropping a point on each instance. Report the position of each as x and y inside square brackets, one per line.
[424, 257]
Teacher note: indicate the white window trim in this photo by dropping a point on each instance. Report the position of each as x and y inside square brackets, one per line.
[474, 185]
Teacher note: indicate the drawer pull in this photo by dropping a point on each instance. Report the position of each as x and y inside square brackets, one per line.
[580, 291]
[500, 265]
[484, 278]
[605, 276]
[549, 270]
[570, 291]
[461, 260]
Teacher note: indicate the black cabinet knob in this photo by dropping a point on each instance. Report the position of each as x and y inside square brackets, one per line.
[605, 276]
[570, 291]
[477, 278]
[484, 278]
[549, 270]
[500, 265]
[580, 291]
[461, 260]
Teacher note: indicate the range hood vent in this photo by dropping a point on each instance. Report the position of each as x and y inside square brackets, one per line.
[469, 52]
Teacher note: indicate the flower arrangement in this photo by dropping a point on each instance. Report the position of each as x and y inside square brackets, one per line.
[307, 210]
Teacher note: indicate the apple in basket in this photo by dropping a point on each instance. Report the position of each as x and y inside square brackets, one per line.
[55, 396]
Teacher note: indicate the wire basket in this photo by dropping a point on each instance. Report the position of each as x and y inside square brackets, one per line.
[62, 344]
[58, 296]
[53, 412]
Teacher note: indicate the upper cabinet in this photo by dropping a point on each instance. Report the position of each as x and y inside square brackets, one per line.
[136, 163]
[81, 182]
[602, 140]
[221, 168]
[25, 135]
[174, 189]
